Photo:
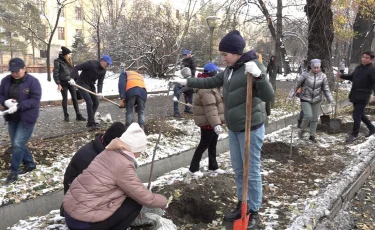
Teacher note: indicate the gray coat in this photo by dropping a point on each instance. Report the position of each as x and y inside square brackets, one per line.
[313, 87]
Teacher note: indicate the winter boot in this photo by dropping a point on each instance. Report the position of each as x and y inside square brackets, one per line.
[301, 133]
[371, 132]
[350, 138]
[79, 117]
[234, 214]
[66, 118]
[253, 221]
[11, 178]
[312, 138]
[27, 169]
[299, 124]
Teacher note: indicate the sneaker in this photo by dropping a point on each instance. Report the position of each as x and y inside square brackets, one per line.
[94, 126]
[177, 115]
[234, 214]
[11, 178]
[370, 133]
[218, 171]
[188, 112]
[79, 117]
[350, 138]
[312, 138]
[196, 174]
[253, 221]
[27, 169]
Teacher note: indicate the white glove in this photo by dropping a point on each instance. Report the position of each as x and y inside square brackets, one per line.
[252, 68]
[72, 82]
[10, 103]
[175, 99]
[100, 95]
[12, 109]
[218, 130]
[180, 81]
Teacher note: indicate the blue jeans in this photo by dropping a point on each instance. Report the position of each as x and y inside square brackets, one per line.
[20, 153]
[237, 149]
[175, 104]
[130, 110]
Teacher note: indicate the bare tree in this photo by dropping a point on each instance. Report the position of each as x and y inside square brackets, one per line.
[362, 39]
[94, 15]
[52, 26]
[320, 33]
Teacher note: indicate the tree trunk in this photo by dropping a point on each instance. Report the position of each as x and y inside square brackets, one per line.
[278, 43]
[50, 40]
[360, 27]
[98, 38]
[272, 29]
[320, 34]
[33, 48]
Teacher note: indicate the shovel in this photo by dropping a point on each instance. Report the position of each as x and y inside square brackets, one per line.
[241, 224]
[335, 123]
[324, 119]
[90, 92]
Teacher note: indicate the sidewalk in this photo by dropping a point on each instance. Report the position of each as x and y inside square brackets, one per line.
[50, 122]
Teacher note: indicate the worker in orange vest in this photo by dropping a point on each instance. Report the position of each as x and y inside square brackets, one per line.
[132, 90]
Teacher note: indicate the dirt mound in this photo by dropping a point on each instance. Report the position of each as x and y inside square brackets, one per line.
[153, 127]
[199, 202]
[280, 151]
[345, 128]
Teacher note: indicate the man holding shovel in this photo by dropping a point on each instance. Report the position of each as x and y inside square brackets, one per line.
[363, 78]
[132, 90]
[91, 71]
[234, 82]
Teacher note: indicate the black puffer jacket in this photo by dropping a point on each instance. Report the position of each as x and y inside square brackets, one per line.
[363, 79]
[91, 71]
[189, 62]
[82, 159]
[61, 70]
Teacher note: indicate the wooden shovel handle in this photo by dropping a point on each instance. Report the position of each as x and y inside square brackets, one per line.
[249, 100]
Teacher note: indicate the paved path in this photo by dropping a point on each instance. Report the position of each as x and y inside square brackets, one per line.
[50, 122]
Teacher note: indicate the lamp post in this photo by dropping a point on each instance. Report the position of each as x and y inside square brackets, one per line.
[212, 23]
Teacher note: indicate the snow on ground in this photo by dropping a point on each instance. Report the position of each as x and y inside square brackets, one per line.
[302, 211]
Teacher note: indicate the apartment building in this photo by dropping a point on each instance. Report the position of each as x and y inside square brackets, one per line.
[70, 23]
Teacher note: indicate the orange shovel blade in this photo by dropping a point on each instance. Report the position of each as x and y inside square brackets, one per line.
[241, 224]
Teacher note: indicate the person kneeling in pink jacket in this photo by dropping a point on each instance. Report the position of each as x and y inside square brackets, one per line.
[109, 193]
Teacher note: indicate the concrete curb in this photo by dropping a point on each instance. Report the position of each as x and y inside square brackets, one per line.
[42, 205]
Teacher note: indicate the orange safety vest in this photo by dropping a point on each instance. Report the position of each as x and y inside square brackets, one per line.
[134, 79]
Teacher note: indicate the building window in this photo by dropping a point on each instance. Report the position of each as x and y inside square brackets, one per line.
[43, 53]
[61, 33]
[78, 13]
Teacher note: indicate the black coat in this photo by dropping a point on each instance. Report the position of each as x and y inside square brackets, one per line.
[91, 71]
[61, 70]
[363, 78]
[82, 159]
[189, 62]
